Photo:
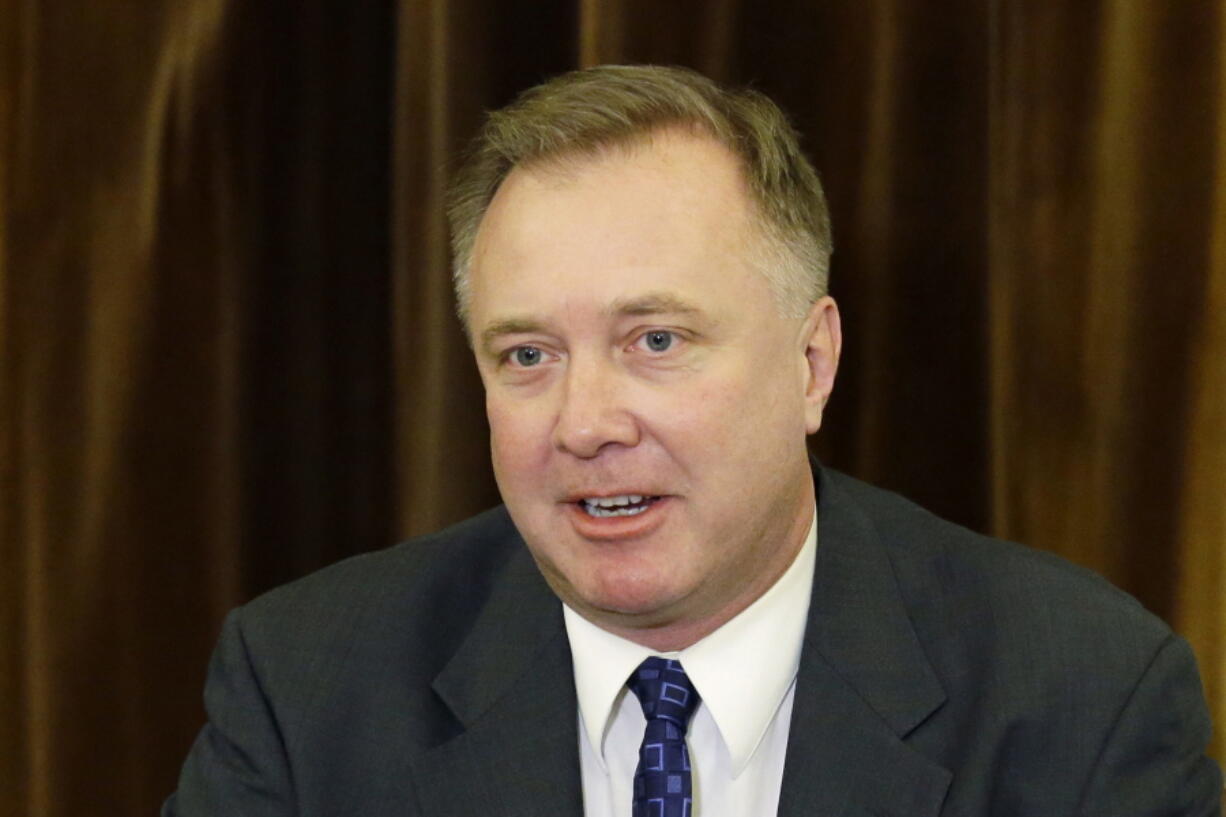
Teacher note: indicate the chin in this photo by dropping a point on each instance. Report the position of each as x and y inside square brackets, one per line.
[633, 580]
[629, 594]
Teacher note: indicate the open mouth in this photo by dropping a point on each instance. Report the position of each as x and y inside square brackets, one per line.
[625, 505]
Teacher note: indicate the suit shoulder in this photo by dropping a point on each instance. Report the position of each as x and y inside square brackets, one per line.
[1018, 594]
[468, 547]
[431, 587]
[1052, 680]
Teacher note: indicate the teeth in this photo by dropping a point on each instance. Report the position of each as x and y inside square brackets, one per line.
[622, 511]
[625, 505]
[614, 501]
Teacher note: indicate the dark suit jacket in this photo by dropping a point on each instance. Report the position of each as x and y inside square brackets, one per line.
[942, 673]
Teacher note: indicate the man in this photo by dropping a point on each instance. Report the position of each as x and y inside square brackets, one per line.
[676, 612]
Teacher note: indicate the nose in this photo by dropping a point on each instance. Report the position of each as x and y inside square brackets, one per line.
[593, 414]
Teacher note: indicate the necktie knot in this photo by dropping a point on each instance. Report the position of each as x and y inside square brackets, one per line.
[664, 691]
[662, 782]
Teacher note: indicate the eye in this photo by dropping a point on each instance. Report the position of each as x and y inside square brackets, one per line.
[526, 356]
[658, 340]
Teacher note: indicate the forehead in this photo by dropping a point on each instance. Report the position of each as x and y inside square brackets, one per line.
[670, 213]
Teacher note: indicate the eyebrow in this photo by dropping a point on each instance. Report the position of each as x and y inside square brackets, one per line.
[652, 303]
[507, 326]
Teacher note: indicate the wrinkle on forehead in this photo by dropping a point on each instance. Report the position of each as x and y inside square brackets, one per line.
[678, 212]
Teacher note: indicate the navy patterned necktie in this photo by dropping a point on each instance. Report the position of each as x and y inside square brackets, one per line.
[662, 785]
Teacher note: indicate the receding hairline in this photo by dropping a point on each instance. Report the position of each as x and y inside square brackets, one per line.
[569, 120]
[578, 157]
[563, 167]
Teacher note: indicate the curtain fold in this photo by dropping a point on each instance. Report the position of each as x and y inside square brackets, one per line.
[100, 401]
[228, 352]
[1200, 588]
[1107, 358]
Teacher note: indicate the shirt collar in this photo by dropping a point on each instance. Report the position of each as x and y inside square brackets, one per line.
[742, 670]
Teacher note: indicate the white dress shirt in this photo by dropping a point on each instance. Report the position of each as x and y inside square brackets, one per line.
[746, 674]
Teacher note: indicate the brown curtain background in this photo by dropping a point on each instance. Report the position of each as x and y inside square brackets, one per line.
[228, 357]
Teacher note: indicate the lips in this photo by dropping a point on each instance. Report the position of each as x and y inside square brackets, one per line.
[621, 516]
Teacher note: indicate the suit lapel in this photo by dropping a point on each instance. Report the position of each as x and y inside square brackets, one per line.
[864, 683]
[511, 687]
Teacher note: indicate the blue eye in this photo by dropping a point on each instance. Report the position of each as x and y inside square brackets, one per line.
[527, 356]
[658, 341]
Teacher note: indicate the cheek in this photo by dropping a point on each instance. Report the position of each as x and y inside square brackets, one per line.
[749, 416]
[518, 437]
[701, 427]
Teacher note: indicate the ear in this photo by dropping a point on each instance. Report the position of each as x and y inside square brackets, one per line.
[823, 338]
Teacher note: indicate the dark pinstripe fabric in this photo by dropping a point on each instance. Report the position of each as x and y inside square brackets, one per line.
[942, 673]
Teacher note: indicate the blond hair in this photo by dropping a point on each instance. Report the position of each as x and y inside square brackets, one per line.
[584, 112]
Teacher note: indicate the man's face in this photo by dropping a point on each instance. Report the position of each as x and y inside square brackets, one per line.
[648, 404]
